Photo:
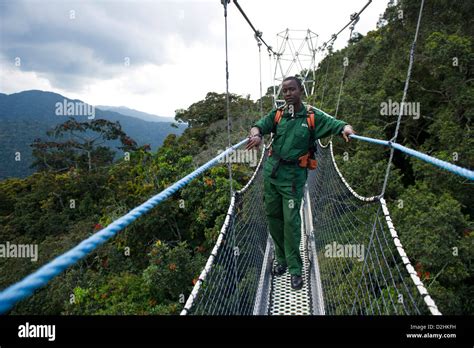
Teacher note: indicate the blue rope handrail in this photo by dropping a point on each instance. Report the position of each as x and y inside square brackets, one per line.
[24, 288]
[469, 174]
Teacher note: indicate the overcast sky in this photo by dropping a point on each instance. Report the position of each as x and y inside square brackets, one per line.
[155, 56]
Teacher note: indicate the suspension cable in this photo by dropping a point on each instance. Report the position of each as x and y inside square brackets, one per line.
[253, 28]
[259, 43]
[272, 77]
[229, 165]
[340, 88]
[328, 44]
[325, 83]
[229, 162]
[355, 19]
[405, 91]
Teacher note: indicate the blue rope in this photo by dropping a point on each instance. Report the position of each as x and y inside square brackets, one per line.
[469, 174]
[24, 288]
[370, 140]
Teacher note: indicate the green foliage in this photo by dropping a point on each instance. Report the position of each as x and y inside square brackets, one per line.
[172, 270]
[437, 205]
[160, 289]
[123, 294]
[83, 147]
[434, 233]
[30, 114]
[134, 274]
[130, 274]
[212, 109]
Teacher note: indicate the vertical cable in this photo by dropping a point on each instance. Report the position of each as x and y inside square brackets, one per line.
[259, 43]
[325, 82]
[229, 165]
[354, 19]
[235, 250]
[405, 91]
[340, 91]
[276, 58]
[271, 75]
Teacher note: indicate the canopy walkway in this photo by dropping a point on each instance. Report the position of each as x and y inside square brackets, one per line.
[237, 277]
[354, 262]
[379, 279]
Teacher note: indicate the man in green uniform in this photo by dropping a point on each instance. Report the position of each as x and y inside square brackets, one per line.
[284, 178]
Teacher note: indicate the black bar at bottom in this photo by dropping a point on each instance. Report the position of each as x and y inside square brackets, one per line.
[430, 331]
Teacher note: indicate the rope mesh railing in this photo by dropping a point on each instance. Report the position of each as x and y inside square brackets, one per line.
[229, 283]
[360, 257]
[383, 281]
[26, 287]
[363, 266]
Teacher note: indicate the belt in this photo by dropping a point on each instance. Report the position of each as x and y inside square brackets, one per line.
[281, 161]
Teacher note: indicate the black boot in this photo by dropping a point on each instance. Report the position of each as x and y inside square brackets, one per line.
[279, 270]
[296, 282]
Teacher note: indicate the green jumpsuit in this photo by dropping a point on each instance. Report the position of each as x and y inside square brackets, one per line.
[283, 192]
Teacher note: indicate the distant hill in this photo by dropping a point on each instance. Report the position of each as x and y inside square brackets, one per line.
[27, 115]
[135, 113]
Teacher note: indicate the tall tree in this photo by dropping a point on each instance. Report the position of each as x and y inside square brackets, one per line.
[80, 145]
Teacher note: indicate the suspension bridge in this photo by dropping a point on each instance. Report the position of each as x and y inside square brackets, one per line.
[377, 279]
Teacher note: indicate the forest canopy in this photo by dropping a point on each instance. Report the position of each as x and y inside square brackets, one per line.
[150, 266]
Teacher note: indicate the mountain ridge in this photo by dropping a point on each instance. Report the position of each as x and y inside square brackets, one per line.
[27, 115]
[135, 113]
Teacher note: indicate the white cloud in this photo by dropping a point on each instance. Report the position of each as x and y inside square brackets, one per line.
[176, 49]
[14, 80]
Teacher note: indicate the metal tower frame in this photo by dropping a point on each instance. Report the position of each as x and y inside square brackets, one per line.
[296, 50]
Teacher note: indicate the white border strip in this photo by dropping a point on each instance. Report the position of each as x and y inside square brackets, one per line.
[264, 285]
[210, 260]
[222, 232]
[316, 286]
[411, 271]
[355, 194]
[254, 173]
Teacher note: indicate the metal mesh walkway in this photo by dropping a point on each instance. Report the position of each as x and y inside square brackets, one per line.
[283, 299]
[353, 261]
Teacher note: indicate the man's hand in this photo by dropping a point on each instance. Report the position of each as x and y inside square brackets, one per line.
[346, 131]
[254, 140]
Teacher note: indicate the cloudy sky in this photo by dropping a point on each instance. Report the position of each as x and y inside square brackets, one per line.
[155, 56]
